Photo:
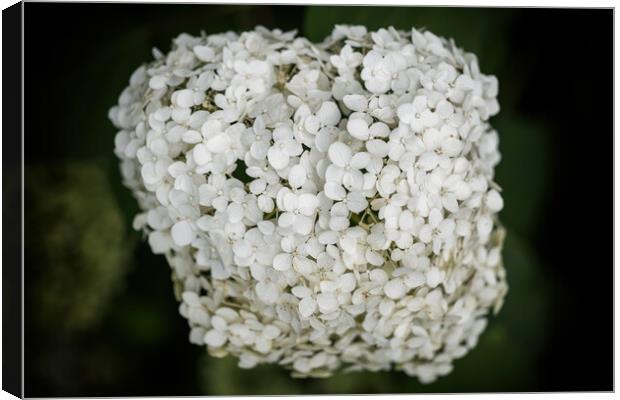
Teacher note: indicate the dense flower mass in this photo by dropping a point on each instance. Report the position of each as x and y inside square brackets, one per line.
[322, 206]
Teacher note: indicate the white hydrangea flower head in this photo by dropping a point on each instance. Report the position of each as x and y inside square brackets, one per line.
[323, 206]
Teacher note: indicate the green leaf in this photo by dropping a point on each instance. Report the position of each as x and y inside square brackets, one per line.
[477, 30]
[222, 376]
[523, 172]
[526, 310]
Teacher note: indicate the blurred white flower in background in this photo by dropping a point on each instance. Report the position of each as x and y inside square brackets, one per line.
[323, 206]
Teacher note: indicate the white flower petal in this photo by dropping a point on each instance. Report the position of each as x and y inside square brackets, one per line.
[297, 176]
[215, 338]
[268, 293]
[277, 157]
[484, 226]
[201, 154]
[301, 291]
[444, 109]
[218, 143]
[303, 265]
[405, 112]
[185, 98]
[429, 118]
[347, 282]
[377, 147]
[192, 137]
[356, 202]
[160, 242]
[395, 289]
[158, 82]
[286, 219]
[415, 279]
[425, 234]
[265, 203]
[204, 53]
[329, 113]
[379, 130]
[360, 160]
[334, 191]
[334, 174]
[494, 201]
[434, 277]
[182, 233]
[282, 262]
[242, 248]
[307, 307]
[339, 153]
[355, 102]
[327, 302]
[358, 129]
[312, 124]
[303, 225]
[428, 160]
[379, 276]
[307, 204]
[328, 237]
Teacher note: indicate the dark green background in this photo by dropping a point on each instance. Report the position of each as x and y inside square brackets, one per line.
[101, 318]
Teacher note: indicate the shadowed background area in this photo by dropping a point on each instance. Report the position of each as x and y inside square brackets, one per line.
[101, 318]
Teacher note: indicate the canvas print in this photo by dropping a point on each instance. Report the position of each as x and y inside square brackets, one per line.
[266, 200]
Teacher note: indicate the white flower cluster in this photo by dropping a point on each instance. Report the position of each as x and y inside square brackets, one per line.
[323, 206]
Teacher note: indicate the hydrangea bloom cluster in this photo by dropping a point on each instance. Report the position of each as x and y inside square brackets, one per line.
[322, 206]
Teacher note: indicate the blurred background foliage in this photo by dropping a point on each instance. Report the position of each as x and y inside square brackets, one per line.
[101, 318]
[81, 235]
